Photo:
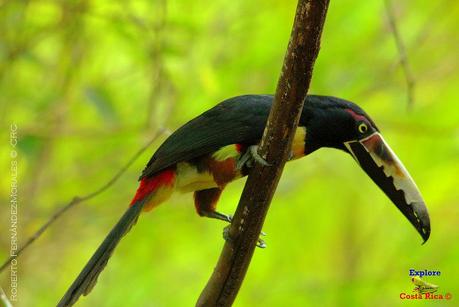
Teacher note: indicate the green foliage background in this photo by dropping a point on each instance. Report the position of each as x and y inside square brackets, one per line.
[89, 82]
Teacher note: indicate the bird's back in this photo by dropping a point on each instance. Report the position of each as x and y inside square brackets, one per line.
[239, 119]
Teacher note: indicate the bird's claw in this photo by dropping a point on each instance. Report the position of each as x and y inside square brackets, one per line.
[226, 236]
[254, 153]
[261, 243]
[250, 157]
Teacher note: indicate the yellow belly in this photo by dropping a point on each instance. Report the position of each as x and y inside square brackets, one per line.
[189, 179]
[221, 169]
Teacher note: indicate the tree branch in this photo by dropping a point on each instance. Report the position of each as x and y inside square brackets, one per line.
[403, 57]
[79, 199]
[292, 87]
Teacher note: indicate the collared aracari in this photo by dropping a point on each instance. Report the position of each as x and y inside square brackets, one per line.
[220, 145]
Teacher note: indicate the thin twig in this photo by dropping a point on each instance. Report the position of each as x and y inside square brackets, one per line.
[304, 45]
[409, 77]
[79, 199]
[5, 302]
[158, 75]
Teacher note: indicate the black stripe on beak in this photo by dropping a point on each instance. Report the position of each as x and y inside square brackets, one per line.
[380, 163]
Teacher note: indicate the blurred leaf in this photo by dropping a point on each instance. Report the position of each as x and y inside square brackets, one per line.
[101, 100]
[30, 145]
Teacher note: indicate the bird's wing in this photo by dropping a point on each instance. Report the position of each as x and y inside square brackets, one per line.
[236, 120]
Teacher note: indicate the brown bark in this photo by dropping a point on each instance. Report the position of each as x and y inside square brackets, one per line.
[292, 87]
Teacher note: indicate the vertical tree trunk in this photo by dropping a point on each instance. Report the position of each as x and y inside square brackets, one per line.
[292, 87]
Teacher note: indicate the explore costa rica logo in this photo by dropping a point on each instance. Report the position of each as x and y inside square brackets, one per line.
[423, 289]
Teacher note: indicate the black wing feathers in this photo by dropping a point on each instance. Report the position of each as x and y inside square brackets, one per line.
[236, 120]
[239, 119]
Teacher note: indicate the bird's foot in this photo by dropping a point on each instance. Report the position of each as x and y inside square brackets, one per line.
[229, 218]
[217, 215]
[226, 235]
[260, 242]
[250, 157]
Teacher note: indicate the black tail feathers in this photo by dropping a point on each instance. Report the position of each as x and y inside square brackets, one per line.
[84, 283]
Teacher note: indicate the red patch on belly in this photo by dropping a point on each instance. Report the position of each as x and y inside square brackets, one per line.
[151, 184]
[240, 148]
[223, 171]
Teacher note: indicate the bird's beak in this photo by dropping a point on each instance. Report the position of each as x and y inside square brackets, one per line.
[380, 163]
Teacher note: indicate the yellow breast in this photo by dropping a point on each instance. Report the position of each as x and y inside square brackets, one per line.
[298, 143]
[189, 179]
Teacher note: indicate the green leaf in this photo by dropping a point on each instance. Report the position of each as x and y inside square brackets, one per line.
[100, 99]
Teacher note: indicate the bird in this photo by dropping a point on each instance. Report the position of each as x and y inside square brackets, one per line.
[220, 146]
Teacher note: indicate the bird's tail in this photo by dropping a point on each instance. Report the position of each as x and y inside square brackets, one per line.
[151, 192]
[88, 276]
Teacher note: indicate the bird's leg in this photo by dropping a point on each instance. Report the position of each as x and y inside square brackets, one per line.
[205, 202]
[229, 218]
[250, 157]
[217, 215]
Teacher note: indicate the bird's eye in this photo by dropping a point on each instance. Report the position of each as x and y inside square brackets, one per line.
[363, 128]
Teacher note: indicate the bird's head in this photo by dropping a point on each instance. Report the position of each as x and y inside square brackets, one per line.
[336, 123]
